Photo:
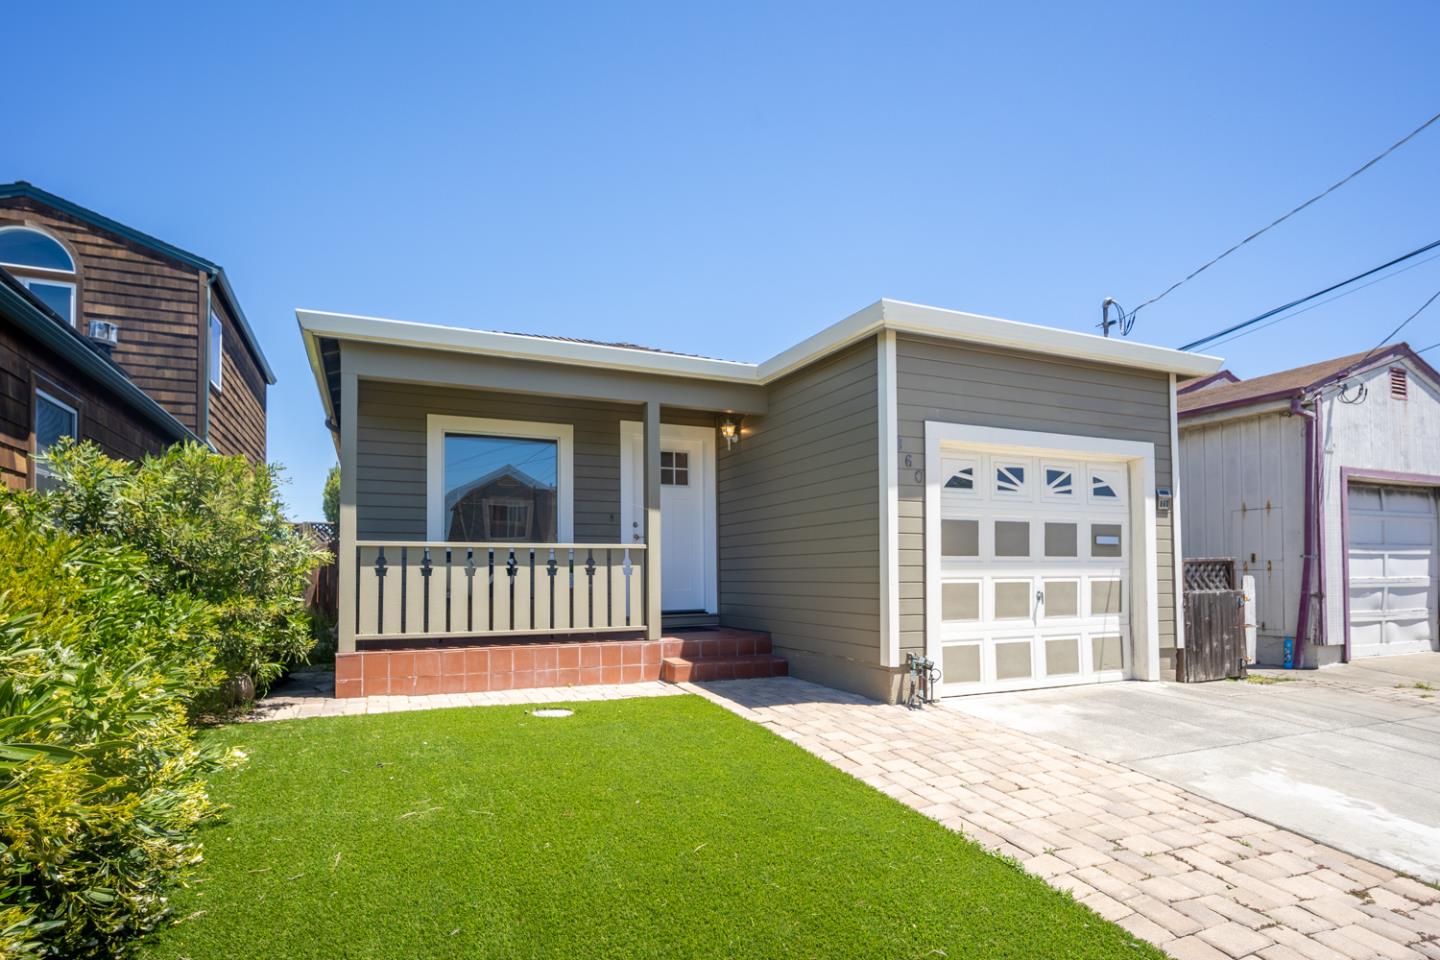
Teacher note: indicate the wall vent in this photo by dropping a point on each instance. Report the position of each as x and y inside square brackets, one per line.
[1399, 385]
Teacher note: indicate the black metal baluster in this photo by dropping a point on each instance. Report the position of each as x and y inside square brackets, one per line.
[626, 570]
[550, 571]
[470, 589]
[511, 568]
[425, 570]
[448, 589]
[590, 587]
[490, 588]
[380, 567]
[404, 584]
[609, 590]
[532, 587]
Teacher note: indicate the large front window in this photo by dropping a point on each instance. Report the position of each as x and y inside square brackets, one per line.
[500, 488]
[54, 421]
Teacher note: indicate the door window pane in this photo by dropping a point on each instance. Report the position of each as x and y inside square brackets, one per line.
[1062, 657]
[674, 468]
[500, 489]
[1012, 538]
[960, 538]
[1062, 598]
[960, 664]
[1012, 600]
[1061, 540]
[960, 601]
[1104, 597]
[1105, 540]
[1012, 660]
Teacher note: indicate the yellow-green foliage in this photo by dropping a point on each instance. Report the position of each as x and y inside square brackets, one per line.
[101, 782]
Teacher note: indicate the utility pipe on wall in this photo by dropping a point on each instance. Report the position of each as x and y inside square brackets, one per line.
[1302, 624]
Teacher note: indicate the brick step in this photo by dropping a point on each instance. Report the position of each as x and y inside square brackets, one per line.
[738, 667]
[721, 642]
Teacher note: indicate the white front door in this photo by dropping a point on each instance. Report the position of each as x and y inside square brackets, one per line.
[1392, 560]
[1034, 574]
[687, 510]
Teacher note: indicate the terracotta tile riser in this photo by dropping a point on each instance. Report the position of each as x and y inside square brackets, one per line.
[526, 666]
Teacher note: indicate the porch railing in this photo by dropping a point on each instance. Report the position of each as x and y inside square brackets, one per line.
[418, 589]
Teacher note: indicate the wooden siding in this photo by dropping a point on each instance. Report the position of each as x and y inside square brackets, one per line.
[960, 383]
[237, 409]
[798, 508]
[390, 453]
[1244, 487]
[154, 300]
[103, 418]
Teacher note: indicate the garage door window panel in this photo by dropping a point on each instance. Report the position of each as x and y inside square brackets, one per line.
[1062, 599]
[1062, 656]
[1013, 659]
[1012, 599]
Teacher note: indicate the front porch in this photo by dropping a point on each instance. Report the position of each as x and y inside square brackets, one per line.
[465, 667]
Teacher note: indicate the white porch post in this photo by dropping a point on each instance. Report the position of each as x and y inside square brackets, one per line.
[345, 561]
[652, 520]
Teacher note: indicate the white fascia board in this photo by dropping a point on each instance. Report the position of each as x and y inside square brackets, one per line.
[407, 333]
[882, 315]
[974, 328]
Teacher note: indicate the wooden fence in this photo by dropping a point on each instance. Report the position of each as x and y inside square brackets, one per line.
[1214, 623]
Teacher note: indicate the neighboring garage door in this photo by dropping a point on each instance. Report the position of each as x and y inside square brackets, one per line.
[1392, 565]
[1034, 572]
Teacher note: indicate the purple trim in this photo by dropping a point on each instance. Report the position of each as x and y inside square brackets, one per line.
[1399, 350]
[1307, 562]
[1362, 474]
[1194, 385]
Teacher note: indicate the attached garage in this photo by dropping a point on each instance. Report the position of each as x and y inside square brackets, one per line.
[1391, 535]
[1039, 558]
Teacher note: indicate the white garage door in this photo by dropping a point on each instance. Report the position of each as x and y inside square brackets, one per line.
[1392, 533]
[1034, 572]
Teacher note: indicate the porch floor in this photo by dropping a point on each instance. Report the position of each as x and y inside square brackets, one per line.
[458, 667]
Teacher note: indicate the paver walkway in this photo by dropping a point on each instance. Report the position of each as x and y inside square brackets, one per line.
[313, 695]
[1191, 876]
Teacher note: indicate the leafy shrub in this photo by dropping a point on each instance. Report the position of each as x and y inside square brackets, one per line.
[330, 496]
[210, 527]
[101, 782]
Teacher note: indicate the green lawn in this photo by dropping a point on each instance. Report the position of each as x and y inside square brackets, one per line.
[638, 828]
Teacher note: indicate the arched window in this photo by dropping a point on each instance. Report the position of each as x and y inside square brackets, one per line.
[42, 264]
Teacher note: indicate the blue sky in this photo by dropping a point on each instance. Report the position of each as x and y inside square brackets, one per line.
[728, 178]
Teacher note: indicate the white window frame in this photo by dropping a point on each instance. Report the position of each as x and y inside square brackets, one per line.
[215, 351]
[28, 228]
[26, 281]
[563, 434]
[41, 394]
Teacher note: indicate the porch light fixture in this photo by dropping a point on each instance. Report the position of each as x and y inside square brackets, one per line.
[730, 430]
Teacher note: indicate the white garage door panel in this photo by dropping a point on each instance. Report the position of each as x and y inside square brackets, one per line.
[1392, 565]
[1034, 566]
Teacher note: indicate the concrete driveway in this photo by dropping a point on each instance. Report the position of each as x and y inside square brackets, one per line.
[1348, 756]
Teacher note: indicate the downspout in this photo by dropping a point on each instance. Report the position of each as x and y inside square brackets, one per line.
[1302, 625]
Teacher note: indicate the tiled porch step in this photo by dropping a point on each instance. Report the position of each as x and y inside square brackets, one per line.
[722, 642]
[746, 667]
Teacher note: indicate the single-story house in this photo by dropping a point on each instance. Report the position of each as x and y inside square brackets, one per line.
[1322, 475]
[911, 481]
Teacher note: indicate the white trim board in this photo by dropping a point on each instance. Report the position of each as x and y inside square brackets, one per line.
[883, 315]
[632, 431]
[1139, 457]
[437, 425]
[889, 456]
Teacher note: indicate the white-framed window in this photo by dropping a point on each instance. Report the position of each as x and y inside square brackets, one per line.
[674, 468]
[499, 481]
[43, 266]
[1107, 484]
[1011, 479]
[54, 420]
[214, 351]
[1058, 481]
[960, 478]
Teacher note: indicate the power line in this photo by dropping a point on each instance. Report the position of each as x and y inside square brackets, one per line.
[1327, 300]
[1126, 320]
[1402, 326]
[1307, 298]
[1275, 223]
[1431, 347]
